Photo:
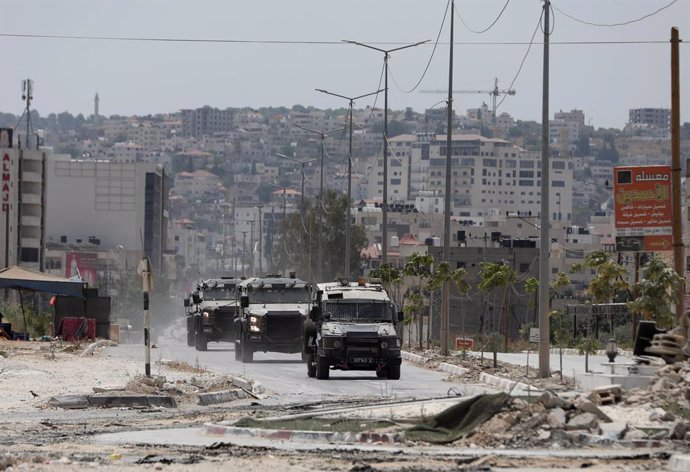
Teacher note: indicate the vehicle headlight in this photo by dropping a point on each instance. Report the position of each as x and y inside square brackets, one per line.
[332, 342]
[254, 324]
[206, 314]
[384, 344]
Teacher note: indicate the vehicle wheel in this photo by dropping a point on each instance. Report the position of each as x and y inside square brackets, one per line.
[309, 333]
[393, 372]
[311, 366]
[381, 373]
[201, 342]
[190, 337]
[238, 351]
[247, 353]
[322, 371]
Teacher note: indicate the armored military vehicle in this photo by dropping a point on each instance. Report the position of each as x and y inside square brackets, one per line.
[211, 312]
[352, 327]
[272, 314]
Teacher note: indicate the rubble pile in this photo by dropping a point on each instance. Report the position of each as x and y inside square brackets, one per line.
[550, 422]
[476, 366]
[669, 390]
[182, 389]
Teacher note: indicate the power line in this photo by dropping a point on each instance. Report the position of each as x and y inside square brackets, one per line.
[431, 57]
[522, 63]
[488, 27]
[308, 43]
[624, 23]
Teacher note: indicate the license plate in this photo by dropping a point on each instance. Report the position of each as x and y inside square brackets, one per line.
[362, 360]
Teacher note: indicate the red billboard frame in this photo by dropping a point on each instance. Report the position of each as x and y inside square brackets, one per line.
[643, 208]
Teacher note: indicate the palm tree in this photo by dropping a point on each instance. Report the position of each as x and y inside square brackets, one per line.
[498, 275]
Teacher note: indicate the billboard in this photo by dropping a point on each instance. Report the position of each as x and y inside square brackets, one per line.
[643, 208]
[84, 264]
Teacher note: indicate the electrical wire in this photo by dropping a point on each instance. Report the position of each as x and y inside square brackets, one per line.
[488, 27]
[308, 43]
[624, 23]
[524, 58]
[431, 57]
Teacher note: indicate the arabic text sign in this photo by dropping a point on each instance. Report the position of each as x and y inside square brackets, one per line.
[643, 208]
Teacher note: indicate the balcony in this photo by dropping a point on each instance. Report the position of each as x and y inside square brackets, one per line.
[31, 177]
[31, 221]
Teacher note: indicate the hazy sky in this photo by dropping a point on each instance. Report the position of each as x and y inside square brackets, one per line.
[142, 77]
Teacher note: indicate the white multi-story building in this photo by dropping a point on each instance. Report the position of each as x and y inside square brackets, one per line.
[489, 176]
[22, 223]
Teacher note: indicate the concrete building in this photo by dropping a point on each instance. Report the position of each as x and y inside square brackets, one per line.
[24, 196]
[114, 203]
[206, 120]
[655, 117]
[197, 183]
[489, 176]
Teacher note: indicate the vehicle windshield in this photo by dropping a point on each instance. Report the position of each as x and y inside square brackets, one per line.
[220, 292]
[357, 311]
[289, 295]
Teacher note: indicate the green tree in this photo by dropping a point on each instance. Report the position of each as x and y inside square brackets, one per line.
[417, 267]
[391, 277]
[495, 275]
[655, 292]
[442, 274]
[304, 227]
[609, 281]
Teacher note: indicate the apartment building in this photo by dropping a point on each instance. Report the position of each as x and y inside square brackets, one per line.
[206, 120]
[196, 184]
[24, 197]
[489, 176]
[654, 117]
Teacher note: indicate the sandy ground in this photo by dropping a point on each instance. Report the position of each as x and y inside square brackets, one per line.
[36, 437]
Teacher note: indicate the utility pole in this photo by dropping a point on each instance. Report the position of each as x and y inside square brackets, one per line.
[319, 268]
[386, 56]
[144, 269]
[261, 266]
[445, 301]
[244, 252]
[545, 243]
[348, 215]
[678, 249]
[304, 238]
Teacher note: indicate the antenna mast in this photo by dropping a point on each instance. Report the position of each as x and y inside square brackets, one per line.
[27, 96]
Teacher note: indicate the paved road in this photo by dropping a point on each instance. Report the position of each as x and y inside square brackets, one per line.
[286, 374]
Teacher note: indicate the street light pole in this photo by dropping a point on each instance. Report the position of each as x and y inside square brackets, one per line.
[348, 216]
[323, 134]
[304, 239]
[386, 56]
[284, 237]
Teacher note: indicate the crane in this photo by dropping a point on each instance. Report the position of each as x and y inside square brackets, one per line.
[494, 93]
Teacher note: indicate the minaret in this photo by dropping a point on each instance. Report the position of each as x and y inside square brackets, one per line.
[95, 105]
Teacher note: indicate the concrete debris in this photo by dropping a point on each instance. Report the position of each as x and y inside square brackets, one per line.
[587, 421]
[606, 395]
[584, 405]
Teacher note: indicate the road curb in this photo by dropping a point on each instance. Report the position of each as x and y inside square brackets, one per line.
[506, 384]
[75, 402]
[214, 398]
[211, 429]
